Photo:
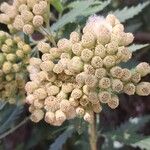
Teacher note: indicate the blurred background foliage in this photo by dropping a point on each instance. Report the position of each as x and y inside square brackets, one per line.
[125, 128]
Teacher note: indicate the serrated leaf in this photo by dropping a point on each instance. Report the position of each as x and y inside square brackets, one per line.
[14, 115]
[126, 133]
[143, 144]
[61, 140]
[128, 13]
[71, 15]
[136, 47]
[94, 9]
[2, 104]
[57, 5]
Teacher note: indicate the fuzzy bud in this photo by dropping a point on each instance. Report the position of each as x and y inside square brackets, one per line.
[37, 115]
[129, 89]
[104, 83]
[113, 102]
[117, 85]
[143, 89]
[104, 96]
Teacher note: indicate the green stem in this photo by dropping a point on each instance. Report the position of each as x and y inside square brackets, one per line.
[92, 134]
[15, 128]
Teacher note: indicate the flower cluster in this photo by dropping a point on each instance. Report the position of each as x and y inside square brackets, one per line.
[82, 73]
[14, 56]
[24, 15]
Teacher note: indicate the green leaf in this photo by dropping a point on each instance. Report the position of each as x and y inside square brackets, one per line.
[97, 8]
[127, 132]
[128, 13]
[72, 15]
[14, 114]
[61, 140]
[143, 144]
[57, 5]
[136, 47]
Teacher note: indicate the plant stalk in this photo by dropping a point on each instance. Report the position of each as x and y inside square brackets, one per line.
[92, 134]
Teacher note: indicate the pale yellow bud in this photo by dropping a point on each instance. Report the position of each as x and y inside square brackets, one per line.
[117, 85]
[143, 89]
[89, 69]
[73, 102]
[76, 93]
[111, 19]
[91, 80]
[40, 93]
[129, 89]
[88, 40]
[86, 89]
[143, 68]
[28, 29]
[80, 78]
[136, 77]
[9, 77]
[74, 37]
[52, 90]
[109, 61]
[20, 53]
[113, 102]
[80, 111]
[38, 21]
[43, 47]
[58, 68]
[126, 74]
[71, 114]
[100, 50]
[23, 7]
[100, 73]
[67, 87]
[88, 117]
[112, 48]
[27, 16]
[30, 99]
[97, 108]
[18, 23]
[116, 72]
[93, 97]
[51, 104]
[7, 66]
[47, 57]
[37, 115]
[124, 54]
[11, 57]
[49, 117]
[104, 83]
[31, 86]
[55, 52]
[104, 96]
[97, 62]
[75, 65]
[65, 105]
[47, 66]
[26, 48]
[86, 55]
[61, 95]
[103, 35]
[16, 67]
[35, 61]
[60, 116]
[39, 9]
[4, 19]
[64, 45]
[84, 101]
[38, 104]
[77, 49]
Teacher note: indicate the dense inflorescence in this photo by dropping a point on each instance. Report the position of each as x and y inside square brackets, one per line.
[24, 15]
[82, 73]
[14, 57]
